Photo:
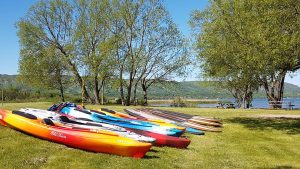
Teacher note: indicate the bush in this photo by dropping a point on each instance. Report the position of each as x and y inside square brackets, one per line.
[118, 100]
[178, 102]
[141, 102]
[76, 100]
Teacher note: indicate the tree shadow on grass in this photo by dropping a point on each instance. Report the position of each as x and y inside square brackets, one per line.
[290, 126]
[279, 167]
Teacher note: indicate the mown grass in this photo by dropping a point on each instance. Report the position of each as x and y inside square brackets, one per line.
[246, 142]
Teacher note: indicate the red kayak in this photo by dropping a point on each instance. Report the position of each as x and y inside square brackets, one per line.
[164, 140]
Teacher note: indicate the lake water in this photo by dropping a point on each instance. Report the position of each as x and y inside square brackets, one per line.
[260, 103]
[256, 103]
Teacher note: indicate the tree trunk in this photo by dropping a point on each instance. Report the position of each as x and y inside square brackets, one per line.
[249, 99]
[61, 89]
[145, 94]
[128, 96]
[76, 73]
[244, 100]
[274, 89]
[121, 88]
[237, 97]
[245, 97]
[134, 94]
[60, 83]
[96, 90]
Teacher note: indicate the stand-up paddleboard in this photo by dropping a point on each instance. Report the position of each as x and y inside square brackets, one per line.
[46, 129]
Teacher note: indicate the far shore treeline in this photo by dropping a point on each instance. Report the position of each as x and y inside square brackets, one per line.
[194, 92]
[241, 46]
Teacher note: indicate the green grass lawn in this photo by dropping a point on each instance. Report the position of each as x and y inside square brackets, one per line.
[245, 142]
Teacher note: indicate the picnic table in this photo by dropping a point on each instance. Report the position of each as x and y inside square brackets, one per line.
[226, 106]
[289, 104]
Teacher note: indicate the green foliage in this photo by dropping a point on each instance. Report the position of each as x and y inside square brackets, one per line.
[95, 40]
[246, 44]
[149, 46]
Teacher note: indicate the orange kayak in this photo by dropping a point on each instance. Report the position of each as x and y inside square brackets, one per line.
[95, 142]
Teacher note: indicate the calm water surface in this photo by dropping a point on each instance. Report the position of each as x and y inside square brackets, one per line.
[260, 103]
[256, 103]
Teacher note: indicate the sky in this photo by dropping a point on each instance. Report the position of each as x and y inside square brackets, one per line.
[12, 10]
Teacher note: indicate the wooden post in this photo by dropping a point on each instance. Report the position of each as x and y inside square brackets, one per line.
[2, 97]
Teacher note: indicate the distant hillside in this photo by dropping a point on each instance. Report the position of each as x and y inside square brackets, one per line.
[7, 80]
[199, 89]
[188, 89]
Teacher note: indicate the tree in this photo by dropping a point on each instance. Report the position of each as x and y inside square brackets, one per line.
[253, 41]
[52, 24]
[94, 42]
[150, 47]
[47, 72]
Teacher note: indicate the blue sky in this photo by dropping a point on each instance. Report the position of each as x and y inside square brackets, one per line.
[12, 10]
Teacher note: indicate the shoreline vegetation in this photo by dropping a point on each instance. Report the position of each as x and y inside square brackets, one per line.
[182, 102]
[170, 101]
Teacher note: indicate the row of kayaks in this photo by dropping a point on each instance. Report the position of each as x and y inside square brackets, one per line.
[127, 134]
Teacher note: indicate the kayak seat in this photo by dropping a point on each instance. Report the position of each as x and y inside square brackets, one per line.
[23, 114]
[67, 120]
[48, 122]
[64, 119]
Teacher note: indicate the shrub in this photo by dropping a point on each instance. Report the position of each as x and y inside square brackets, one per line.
[178, 102]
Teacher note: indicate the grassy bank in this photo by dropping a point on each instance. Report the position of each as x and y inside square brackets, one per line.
[245, 142]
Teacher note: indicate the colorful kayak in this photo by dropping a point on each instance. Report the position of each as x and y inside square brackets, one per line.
[165, 140]
[102, 118]
[95, 142]
[86, 125]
